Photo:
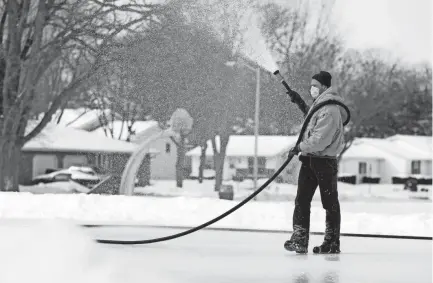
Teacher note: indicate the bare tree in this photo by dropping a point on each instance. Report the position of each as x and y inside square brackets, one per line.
[371, 89]
[37, 36]
[115, 92]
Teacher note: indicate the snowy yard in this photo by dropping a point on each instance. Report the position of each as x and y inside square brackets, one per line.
[381, 209]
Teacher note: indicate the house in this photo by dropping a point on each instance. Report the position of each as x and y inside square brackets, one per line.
[364, 159]
[398, 156]
[59, 147]
[239, 161]
[164, 151]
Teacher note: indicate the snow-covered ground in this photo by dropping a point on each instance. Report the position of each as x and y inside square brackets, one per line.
[33, 249]
[380, 209]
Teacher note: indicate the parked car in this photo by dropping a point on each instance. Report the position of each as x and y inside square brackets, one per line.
[85, 176]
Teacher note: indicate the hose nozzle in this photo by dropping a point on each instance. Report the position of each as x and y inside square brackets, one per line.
[294, 96]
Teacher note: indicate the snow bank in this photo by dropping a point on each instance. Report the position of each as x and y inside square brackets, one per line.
[398, 218]
[55, 251]
[67, 187]
[283, 192]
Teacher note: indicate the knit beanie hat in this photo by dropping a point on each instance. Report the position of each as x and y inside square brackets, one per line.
[324, 78]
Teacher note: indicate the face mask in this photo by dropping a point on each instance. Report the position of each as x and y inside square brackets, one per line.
[314, 92]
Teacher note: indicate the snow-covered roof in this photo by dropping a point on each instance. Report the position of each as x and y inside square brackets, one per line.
[120, 128]
[420, 143]
[244, 146]
[79, 118]
[59, 138]
[407, 147]
[364, 150]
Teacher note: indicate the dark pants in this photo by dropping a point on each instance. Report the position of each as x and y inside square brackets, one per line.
[315, 172]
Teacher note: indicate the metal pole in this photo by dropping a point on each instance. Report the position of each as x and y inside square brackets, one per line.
[369, 183]
[256, 128]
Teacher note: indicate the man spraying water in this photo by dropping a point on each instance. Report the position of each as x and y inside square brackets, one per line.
[320, 145]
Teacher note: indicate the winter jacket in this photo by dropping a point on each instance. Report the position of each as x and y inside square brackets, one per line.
[324, 136]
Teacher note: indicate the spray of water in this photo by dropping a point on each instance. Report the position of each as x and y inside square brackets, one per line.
[255, 48]
[241, 15]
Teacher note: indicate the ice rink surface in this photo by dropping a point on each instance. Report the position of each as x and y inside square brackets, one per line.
[220, 256]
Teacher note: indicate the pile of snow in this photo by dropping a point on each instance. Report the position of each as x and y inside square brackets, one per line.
[390, 217]
[67, 187]
[57, 251]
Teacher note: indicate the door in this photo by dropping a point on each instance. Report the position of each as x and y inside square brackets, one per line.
[362, 171]
[42, 162]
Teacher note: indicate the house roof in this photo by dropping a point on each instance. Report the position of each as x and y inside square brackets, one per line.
[419, 143]
[120, 130]
[407, 147]
[361, 149]
[79, 118]
[238, 145]
[66, 139]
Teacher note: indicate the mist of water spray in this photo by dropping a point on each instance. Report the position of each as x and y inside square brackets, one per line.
[255, 49]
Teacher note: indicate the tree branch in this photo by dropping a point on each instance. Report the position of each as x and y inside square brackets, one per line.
[56, 104]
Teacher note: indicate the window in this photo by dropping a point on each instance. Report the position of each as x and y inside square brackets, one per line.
[62, 177]
[416, 167]
[362, 167]
[209, 163]
[261, 164]
[167, 148]
[103, 161]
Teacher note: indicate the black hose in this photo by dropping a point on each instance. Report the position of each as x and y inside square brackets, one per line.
[245, 230]
[262, 187]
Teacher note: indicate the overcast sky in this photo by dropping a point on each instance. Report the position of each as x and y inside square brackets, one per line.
[402, 26]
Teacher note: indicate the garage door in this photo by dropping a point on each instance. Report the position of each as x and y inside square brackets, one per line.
[74, 160]
[42, 162]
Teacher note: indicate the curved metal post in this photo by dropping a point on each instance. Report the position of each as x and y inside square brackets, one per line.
[134, 162]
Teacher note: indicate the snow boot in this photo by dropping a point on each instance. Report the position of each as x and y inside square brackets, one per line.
[328, 248]
[293, 246]
[298, 242]
[331, 243]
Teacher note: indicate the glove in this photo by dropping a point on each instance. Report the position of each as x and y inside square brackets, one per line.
[294, 96]
[294, 151]
[297, 99]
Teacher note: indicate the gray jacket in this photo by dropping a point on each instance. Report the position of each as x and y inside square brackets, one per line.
[324, 136]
